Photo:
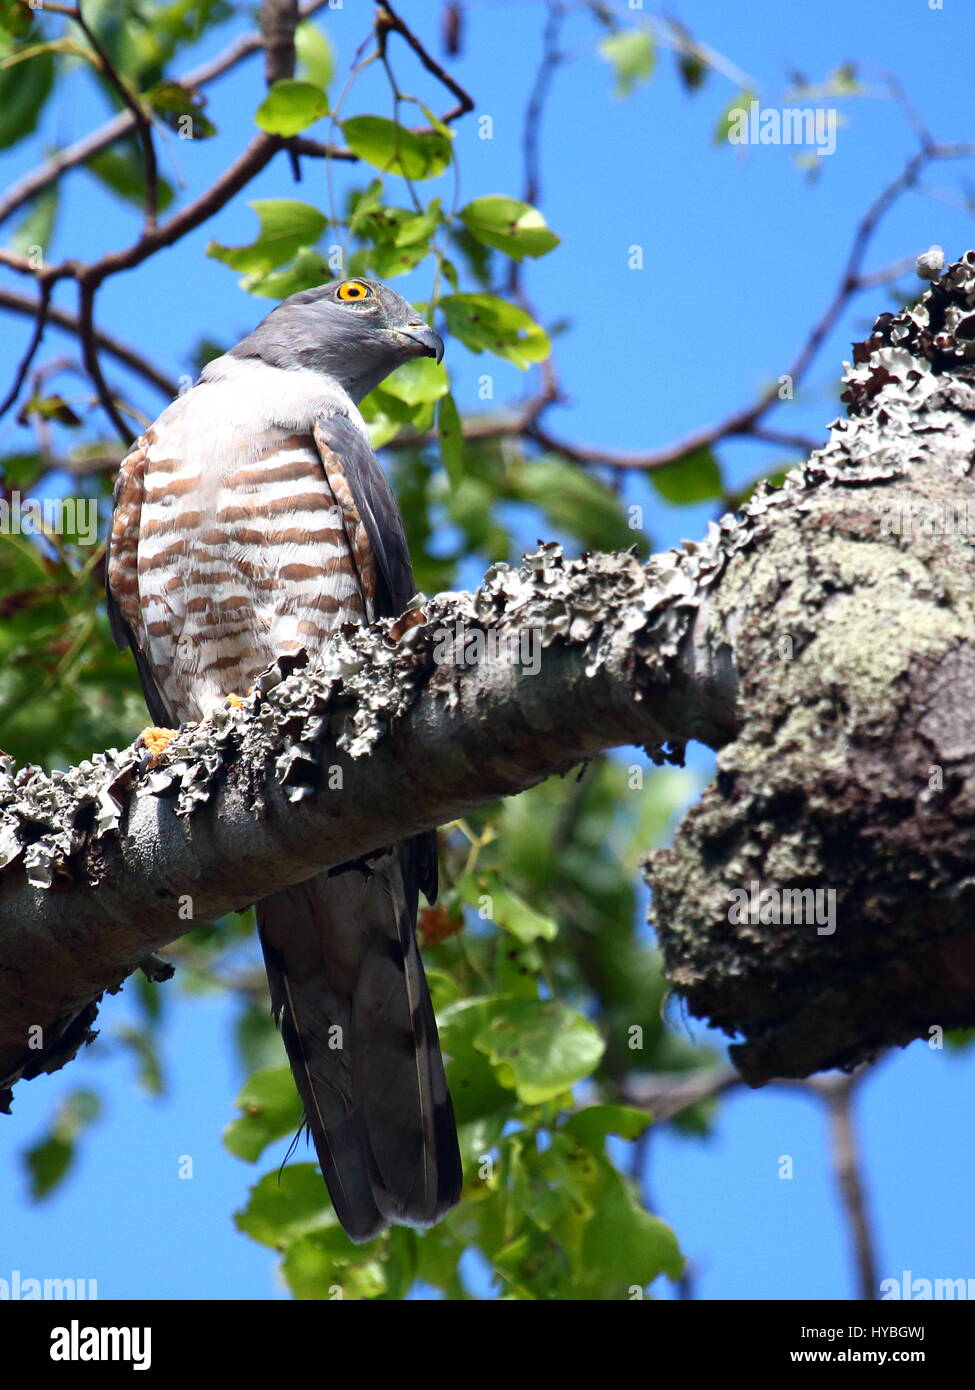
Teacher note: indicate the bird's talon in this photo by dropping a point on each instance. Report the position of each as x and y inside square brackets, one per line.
[155, 741]
[235, 701]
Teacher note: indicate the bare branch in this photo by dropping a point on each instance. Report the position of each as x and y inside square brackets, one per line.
[89, 352]
[743, 422]
[42, 308]
[129, 357]
[388, 19]
[256, 798]
[278, 20]
[35, 182]
[838, 1092]
[139, 117]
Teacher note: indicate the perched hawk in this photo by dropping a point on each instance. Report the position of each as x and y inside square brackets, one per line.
[252, 520]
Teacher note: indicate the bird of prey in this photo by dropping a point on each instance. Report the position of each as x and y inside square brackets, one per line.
[251, 521]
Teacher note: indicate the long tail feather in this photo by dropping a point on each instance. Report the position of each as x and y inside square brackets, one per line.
[351, 998]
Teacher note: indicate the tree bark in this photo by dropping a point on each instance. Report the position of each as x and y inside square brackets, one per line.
[830, 659]
[851, 619]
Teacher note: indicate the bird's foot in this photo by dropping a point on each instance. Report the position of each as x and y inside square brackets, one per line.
[235, 701]
[155, 741]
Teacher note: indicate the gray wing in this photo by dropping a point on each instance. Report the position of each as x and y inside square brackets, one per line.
[377, 506]
[344, 447]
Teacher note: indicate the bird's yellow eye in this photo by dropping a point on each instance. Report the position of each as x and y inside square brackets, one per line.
[353, 289]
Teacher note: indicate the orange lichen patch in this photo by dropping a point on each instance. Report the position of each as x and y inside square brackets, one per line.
[235, 701]
[435, 924]
[156, 741]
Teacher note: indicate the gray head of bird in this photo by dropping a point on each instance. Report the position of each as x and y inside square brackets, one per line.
[355, 331]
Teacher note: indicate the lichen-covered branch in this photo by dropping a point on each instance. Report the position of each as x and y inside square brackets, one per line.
[818, 901]
[822, 639]
[487, 694]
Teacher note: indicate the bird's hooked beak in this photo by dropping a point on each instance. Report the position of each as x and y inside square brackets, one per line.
[430, 342]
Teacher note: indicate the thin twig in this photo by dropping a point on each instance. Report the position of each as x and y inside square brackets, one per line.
[838, 1093]
[551, 58]
[89, 352]
[129, 357]
[137, 110]
[391, 20]
[531, 132]
[250, 162]
[42, 308]
[97, 140]
[744, 422]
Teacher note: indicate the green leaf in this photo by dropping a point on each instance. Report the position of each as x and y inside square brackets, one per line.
[19, 470]
[386, 411]
[49, 1160]
[285, 226]
[389, 146]
[539, 1047]
[507, 909]
[174, 102]
[291, 107]
[416, 381]
[631, 53]
[24, 88]
[143, 1047]
[624, 1246]
[483, 321]
[844, 81]
[308, 270]
[316, 61]
[694, 478]
[48, 1163]
[123, 170]
[141, 38]
[270, 1108]
[284, 1206]
[37, 227]
[741, 102]
[451, 434]
[390, 260]
[509, 225]
[474, 1085]
[325, 1265]
[593, 1124]
[47, 408]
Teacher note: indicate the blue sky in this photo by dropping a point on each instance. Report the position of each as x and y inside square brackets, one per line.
[741, 254]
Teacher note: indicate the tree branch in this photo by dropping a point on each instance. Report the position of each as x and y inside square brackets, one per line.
[119, 126]
[128, 356]
[838, 1092]
[89, 353]
[405, 727]
[41, 310]
[816, 900]
[389, 20]
[278, 19]
[383, 740]
[140, 119]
